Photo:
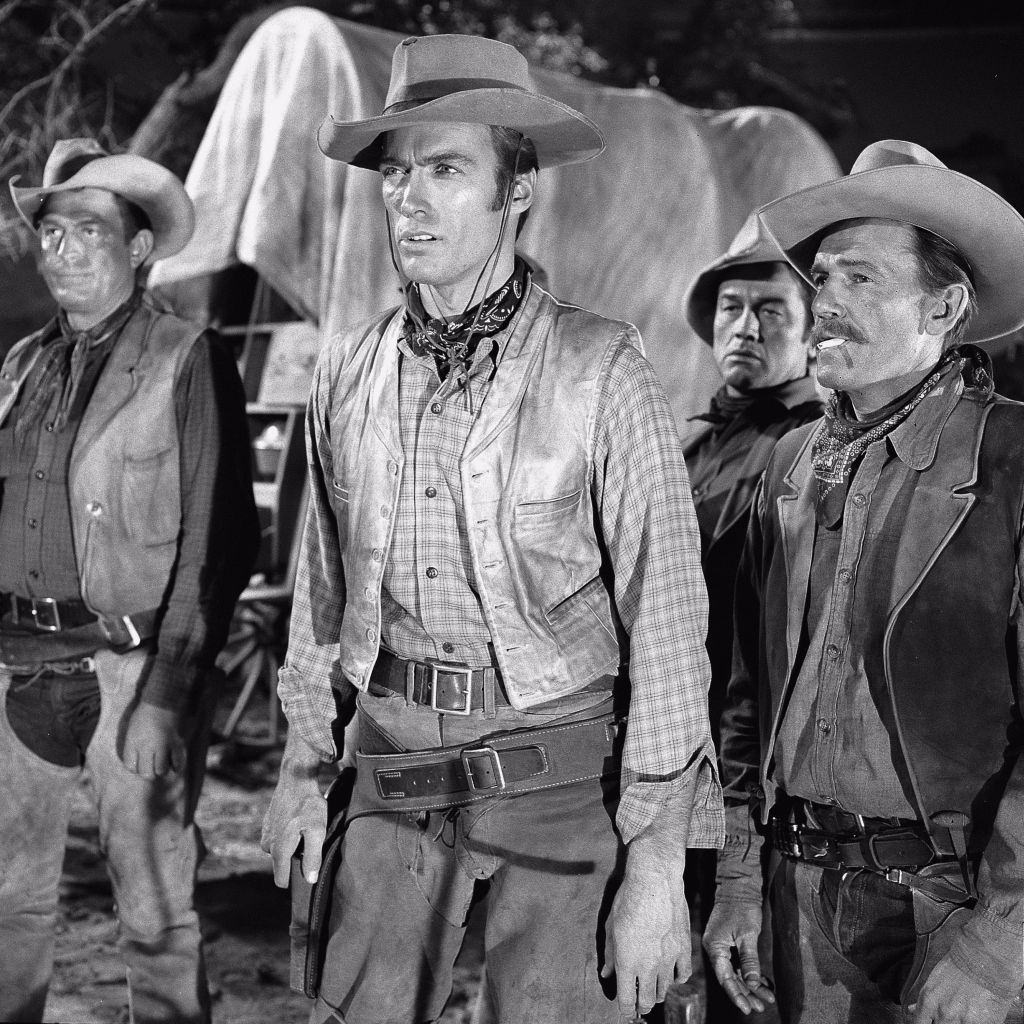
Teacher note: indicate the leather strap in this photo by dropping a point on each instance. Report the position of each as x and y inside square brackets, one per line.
[443, 686]
[45, 613]
[501, 765]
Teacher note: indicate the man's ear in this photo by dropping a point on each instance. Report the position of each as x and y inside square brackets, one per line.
[140, 246]
[945, 310]
[522, 191]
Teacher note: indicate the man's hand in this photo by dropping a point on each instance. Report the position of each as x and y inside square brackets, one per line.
[647, 944]
[297, 811]
[949, 996]
[154, 742]
[736, 924]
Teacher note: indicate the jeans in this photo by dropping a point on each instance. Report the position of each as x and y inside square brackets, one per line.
[146, 832]
[552, 860]
[853, 948]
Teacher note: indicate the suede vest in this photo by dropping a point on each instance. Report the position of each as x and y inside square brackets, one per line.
[124, 483]
[949, 649]
[526, 474]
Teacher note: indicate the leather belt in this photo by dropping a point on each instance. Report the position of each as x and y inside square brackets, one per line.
[48, 615]
[503, 764]
[444, 686]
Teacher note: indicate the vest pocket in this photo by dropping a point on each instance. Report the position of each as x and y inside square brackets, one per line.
[528, 512]
[341, 510]
[150, 502]
[583, 629]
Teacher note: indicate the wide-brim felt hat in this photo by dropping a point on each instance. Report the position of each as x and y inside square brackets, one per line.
[467, 79]
[83, 163]
[901, 181]
[751, 245]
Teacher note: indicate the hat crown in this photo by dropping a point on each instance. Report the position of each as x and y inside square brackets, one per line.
[68, 157]
[425, 68]
[894, 153]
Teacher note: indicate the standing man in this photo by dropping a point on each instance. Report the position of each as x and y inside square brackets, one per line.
[127, 531]
[874, 711]
[753, 308]
[500, 561]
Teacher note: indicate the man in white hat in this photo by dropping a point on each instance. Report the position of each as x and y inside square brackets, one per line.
[127, 531]
[753, 309]
[873, 715]
[500, 561]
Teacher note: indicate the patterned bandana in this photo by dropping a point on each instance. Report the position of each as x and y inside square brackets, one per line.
[64, 363]
[843, 439]
[453, 342]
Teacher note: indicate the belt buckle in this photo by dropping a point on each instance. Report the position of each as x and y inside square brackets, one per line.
[134, 639]
[50, 620]
[437, 667]
[491, 754]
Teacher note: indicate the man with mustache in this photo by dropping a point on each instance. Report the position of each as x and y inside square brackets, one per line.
[500, 560]
[753, 308]
[873, 718]
[127, 530]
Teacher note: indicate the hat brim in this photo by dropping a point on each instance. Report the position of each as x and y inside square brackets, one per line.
[986, 229]
[150, 186]
[560, 134]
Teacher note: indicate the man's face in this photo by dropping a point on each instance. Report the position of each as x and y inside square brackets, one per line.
[760, 327]
[84, 257]
[439, 186]
[871, 314]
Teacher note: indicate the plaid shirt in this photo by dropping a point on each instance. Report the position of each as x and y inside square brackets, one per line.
[640, 489]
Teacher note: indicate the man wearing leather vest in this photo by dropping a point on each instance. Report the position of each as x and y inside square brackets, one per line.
[753, 309]
[127, 531]
[500, 562]
[873, 716]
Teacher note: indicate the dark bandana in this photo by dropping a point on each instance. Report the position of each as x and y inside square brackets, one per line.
[63, 364]
[843, 439]
[453, 342]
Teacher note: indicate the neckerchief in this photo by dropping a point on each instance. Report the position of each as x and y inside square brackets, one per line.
[843, 439]
[64, 363]
[725, 407]
[453, 342]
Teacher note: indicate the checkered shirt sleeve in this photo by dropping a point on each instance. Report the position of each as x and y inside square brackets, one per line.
[650, 530]
[312, 661]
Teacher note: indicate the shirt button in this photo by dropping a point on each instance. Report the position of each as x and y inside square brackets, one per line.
[845, 575]
[435, 408]
[431, 573]
[34, 573]
[832, 651]
[392, 467]
[371, 634]
[49, 428]
[859, 500]
[40, 474]
[33, 523]
[94, 508]
[376, 554]
[431, 492]
[367, 593]
[384, 511]
[823, 726]
[448, 647]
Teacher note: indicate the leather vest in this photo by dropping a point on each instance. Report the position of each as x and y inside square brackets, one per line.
[124, 483]
[526, 474]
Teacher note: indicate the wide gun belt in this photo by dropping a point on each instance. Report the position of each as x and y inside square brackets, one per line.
[443, 686]
[48, 615]
[905, 848]
[501, 765]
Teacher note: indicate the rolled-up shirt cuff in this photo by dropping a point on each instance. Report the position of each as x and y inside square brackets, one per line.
[311, 716]
[642, 800]
[990, 953]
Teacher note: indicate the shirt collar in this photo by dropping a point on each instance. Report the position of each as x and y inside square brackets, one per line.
[916, 440]
[106, 327]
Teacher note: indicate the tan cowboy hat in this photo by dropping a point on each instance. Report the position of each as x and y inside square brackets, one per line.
[468, 79]
[83, 163]
[751, 245]
[901, 181]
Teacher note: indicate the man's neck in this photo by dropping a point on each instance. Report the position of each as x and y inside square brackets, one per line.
[454, 299]
[82, 321]
[868, 401]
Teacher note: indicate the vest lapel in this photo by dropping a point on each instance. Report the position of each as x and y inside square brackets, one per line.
[384, 389]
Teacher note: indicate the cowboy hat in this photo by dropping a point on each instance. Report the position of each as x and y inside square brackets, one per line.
[901, 181]
[83, 163]
[468, 79]
[751, 245]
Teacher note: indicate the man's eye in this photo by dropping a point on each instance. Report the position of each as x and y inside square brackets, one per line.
[729, 307]
[445, 170]
[818, 279]
[859, 278]
[390, 171]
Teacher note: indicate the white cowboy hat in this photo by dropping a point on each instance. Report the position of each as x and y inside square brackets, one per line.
[468, 79]
[83, 163]
[751, 245]
[901, 181]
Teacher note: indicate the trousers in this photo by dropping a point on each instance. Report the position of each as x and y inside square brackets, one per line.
[851, 947]
[550, 861]
[146, 833]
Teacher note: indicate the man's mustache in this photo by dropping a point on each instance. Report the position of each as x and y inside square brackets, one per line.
[823, 331]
